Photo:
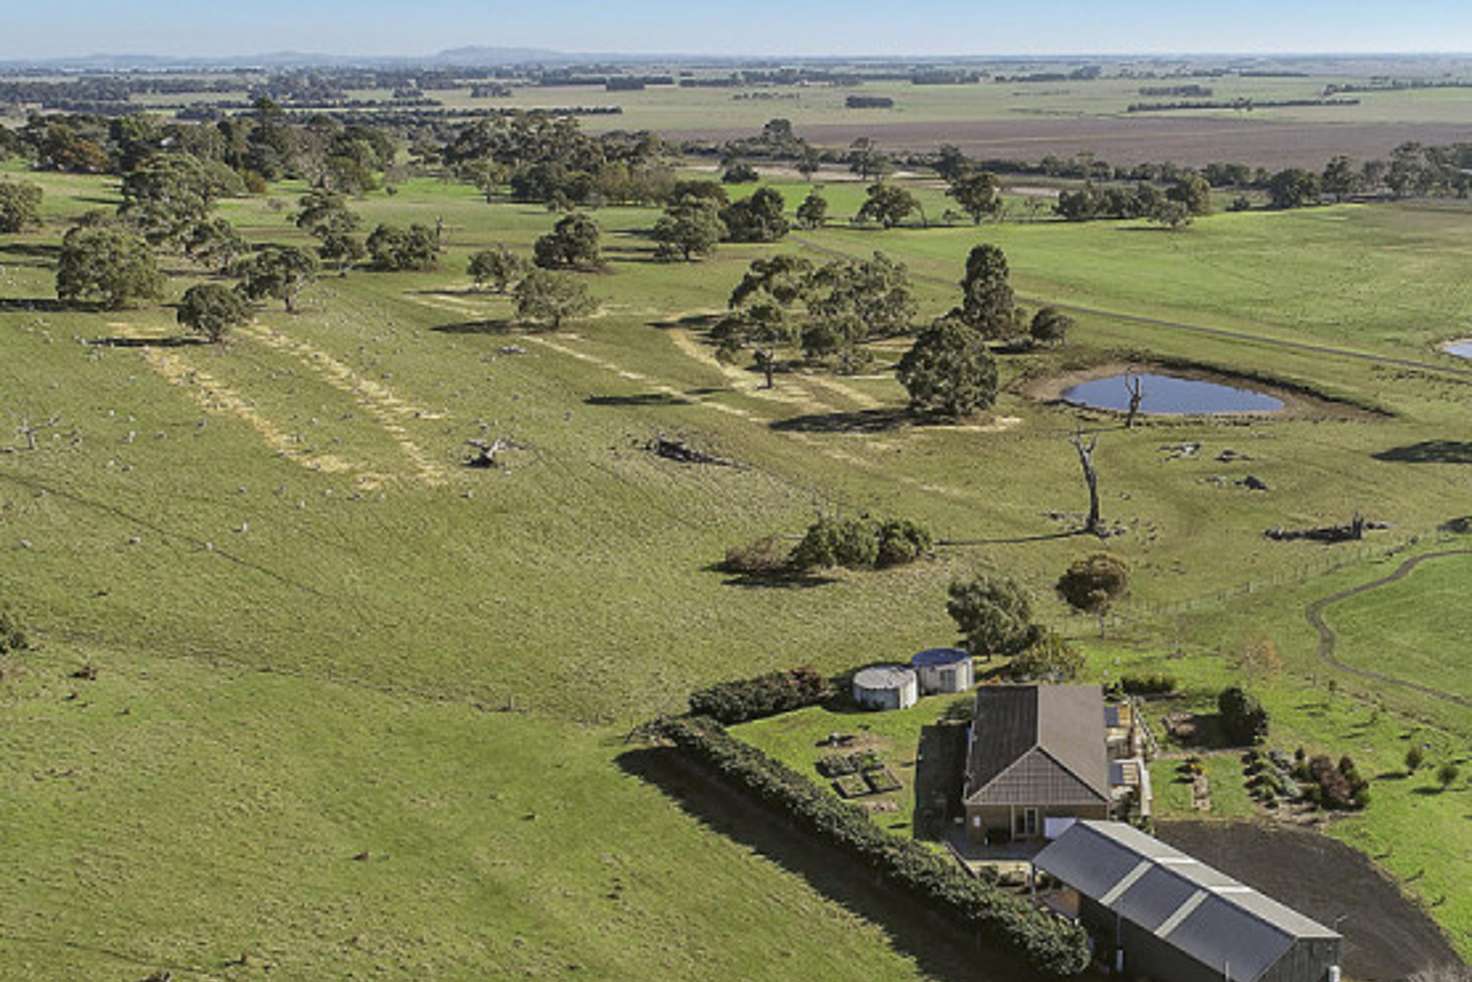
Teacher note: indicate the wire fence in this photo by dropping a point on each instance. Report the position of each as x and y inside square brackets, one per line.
[1335, 558]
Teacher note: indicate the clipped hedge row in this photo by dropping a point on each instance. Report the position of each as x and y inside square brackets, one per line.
[1050, 944]
[765, 695]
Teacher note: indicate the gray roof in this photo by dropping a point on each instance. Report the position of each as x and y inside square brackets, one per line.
[884, 677]
[1038, 745]
[931, 657]
[1201, 911]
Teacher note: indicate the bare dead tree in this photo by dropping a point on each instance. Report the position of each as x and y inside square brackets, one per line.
[1136, 388]
[1085, 450]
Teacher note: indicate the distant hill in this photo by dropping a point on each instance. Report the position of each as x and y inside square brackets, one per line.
[480, 55]
[470, 55]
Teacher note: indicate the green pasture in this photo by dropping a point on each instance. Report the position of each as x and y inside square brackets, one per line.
[330, 637]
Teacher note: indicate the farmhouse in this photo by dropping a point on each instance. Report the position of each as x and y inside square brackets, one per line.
[1037, 753]
[1156, 912]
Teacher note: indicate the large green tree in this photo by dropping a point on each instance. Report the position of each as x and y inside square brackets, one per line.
[20, 205]
[395, 249]
[888, 205]
[994, 613]
[813, 211]
[212, 310]
[1050, 326]
[341, 251]
[762, 324]
[1093, 584]
[497, 266]
[1193, 193]
[215, 244]
[852, 301]
[1294, 188]
[278, 272]
[759, 218]
[689, 227]
[169, 194]
[572, 244]
[978, 192]
[549, 298]
[949, 370]
[322, 213]
[987, 301]
[106, 263]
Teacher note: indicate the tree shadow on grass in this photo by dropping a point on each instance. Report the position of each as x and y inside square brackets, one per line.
[693, 322]
[30, 249]
[775, 580]
[622, 253]
[941, 948]
[1429, 452]
[502, 325]
[468, 291]
[46, 305]
[860, 421]
[641, 399]
[169, 341]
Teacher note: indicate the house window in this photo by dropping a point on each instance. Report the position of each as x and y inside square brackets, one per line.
[948, 679]
[1027, 823]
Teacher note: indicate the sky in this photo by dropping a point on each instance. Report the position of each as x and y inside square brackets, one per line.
[51, 28]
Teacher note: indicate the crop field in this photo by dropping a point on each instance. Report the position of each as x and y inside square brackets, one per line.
[351, 695]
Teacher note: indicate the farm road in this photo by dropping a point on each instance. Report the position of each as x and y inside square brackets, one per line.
[1327, 638]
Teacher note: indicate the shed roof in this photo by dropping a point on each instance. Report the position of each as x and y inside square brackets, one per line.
[1025, 735]
[1193, 907]
[940, 656]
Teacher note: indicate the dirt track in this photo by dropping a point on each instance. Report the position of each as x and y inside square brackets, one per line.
[1385, 935]
[1131, 139]
[1327, 638]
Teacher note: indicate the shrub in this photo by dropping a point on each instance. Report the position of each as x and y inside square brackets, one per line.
[1050, 658]
[740, 173]
[395, 249]
[1092, 584]
[1447, 773]
[12, 635]
[903, 541]
[1148, 685]
[1244, 721]
[860, 543]
[1050, 944]
[1337, 787]
[765, 695]
[1415, 757]
[829, 542]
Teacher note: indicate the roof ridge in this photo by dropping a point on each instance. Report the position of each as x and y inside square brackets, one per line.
[1159, 862]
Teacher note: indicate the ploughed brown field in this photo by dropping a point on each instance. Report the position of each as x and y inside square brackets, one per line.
[1129, 140]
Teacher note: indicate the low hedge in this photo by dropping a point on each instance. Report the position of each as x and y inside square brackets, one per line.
[1148, 685]
[1050, 944]
[765, 695]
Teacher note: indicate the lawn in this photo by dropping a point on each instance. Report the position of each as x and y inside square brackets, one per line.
[794, 738]
[331, 637]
